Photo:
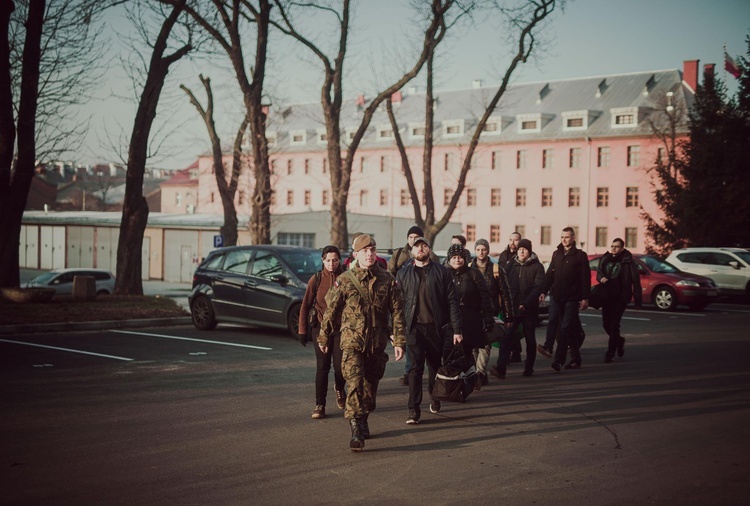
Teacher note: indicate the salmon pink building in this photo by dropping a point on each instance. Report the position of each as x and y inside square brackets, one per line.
[573, 152]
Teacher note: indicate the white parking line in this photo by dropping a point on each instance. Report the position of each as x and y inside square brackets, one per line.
[191, 339]
[66, 349]
[624, 317]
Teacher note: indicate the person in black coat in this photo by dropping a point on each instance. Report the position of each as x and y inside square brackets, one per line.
[619, 276]
[526, 280]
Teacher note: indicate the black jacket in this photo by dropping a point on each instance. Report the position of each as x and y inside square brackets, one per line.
[497, 282]
[475, 300]
[568, 276]
[526, 281]
[443, 296]
[506, 256]
[623, 280]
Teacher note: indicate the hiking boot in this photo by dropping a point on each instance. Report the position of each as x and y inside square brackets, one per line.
[319, 412]
[365, 427]
[435, 406]
[608, 357]
[357, 443]
[340, 399]
[621, 347]
[556, 366]
[497, 372]
[547, 352]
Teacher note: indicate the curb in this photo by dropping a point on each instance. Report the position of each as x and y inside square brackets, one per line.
[77, 326]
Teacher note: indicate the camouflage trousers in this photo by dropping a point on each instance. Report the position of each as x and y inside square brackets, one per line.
[362, 372]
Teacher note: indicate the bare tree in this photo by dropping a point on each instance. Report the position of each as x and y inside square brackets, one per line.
[331, 95]
[135, 207]
[47, 50]
[225, 21]
[227, 189]
[528, 20]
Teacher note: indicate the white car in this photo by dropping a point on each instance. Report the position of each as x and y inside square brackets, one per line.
[62, 280]
[728, 267]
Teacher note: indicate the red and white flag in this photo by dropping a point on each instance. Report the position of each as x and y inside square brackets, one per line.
[731, 66]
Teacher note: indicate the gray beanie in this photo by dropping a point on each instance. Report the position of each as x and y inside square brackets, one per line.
[482, 242]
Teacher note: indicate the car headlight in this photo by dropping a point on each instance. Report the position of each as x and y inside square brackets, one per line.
[687, 282]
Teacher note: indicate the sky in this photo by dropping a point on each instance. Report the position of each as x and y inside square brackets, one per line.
[588, 38]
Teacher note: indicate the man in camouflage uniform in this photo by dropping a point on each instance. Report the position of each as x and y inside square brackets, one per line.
[362, 299]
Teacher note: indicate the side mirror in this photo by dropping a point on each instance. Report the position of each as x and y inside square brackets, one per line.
[735, 264]
[280, 279]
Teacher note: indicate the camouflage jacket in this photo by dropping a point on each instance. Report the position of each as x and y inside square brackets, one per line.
[364, 326]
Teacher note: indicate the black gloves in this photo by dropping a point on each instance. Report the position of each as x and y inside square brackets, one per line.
[302, 338]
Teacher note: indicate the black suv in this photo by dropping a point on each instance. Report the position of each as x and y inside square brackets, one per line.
[259, 285]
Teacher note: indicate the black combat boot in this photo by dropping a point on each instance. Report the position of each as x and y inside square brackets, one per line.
[365, 427]
[357, 444]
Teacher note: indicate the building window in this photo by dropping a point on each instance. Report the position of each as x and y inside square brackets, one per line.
[325, 165]
[447, 196]
[362, 163]
[270, 138]
[405, 198]
[603, 157]
[574, 197]
[520, 197]
[574, 158]
[529, 125]
[290, 197]
[382, 164]
[417, 130]
[661, 155]
[495, 197]
[494, 233]
[453, 128]
[491, 126]
[546, 197]
[273, 166]
[521, 159]
[471, 233]
[308, 198]
[297, 137]
[178, 199]
[363, 198]
[601, 237]
[289, 166]
[626, 117]
[385, 133]
[545, 237]
[471, 197]
[307, 165]
[322, 137]
[448, 161]
[575, 120]
[631, 196]
[324, 198]
[574, 123]
[602, 197]
[296, 239]
[383, 197]
[634, 156]
[631, 237]
[273, 198]
[495, 164]
[212, 197]
[547, 158]
[521, 229]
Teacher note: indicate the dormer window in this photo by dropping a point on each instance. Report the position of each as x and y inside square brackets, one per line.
[576, 120]
[493, 126]
[417, 130]
[321, 136]
[453, 128]
[297, 137]
[350, 135]
[385, 133]
[624, 117]
[532, 123]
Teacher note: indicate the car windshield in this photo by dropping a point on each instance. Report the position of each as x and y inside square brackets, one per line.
[744, 255]
[657, 265]
[304, 263]
[44, 278]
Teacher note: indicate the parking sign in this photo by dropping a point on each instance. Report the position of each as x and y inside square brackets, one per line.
[218, 241]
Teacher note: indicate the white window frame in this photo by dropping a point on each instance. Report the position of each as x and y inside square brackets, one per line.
[319, 136]
[385, 128]
[522, 118]
[295, 133]
[497, 120]
[567, 115]
[413, 126]
[450, 123]
[271, 137]
[617, 112]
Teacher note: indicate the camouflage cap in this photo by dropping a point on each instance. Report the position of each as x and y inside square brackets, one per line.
[362, 241]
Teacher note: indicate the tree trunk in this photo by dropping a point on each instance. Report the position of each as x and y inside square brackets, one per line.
[15, 184]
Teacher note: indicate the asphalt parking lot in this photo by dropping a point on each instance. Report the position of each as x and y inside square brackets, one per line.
[173, 415]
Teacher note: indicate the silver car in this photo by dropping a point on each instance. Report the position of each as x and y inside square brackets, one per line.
[62, 280]
[728, 267]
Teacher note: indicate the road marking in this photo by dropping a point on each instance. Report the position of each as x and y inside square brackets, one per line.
[191, 339]
[67, 349]
[624, 317]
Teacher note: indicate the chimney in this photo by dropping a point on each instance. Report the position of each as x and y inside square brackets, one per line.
[360, 102]
[708, 71]
[396, 98]
[476, 84]
[690, 74]
[413, 90]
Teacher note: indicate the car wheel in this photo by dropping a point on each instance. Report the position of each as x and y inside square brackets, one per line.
[665, 298]
[202, 314]
[292, 321]
[698, 307]
[102, 292]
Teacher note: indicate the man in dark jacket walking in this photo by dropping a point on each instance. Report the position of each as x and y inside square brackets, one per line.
[526, 280]
[621, 281]
[510, 251]
[569, 279]
[432, 321]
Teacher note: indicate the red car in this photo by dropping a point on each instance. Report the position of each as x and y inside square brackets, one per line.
[665, 286]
